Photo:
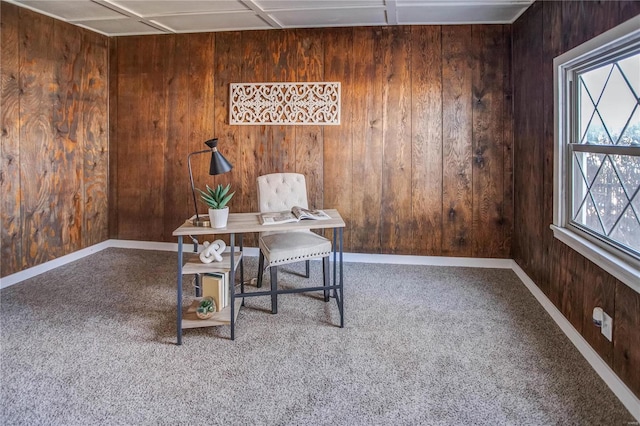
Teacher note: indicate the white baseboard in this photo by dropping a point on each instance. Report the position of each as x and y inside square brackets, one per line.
[630, 401]
[12, 279]
[624, 394]
[397, 259]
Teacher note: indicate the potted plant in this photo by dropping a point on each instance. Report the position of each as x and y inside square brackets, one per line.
[206, 308]
[217, 200]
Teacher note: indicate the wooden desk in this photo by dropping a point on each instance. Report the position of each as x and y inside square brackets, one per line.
[242, 223]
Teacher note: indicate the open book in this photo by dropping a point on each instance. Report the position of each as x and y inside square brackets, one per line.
[296, 214]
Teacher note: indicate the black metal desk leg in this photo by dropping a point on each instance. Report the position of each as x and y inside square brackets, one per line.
[335, 259]
[179, 293]
[240, 237]
[341, 283]
[232, 286]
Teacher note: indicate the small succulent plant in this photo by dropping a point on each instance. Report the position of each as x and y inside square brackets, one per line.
[206, 308]
[216, 198]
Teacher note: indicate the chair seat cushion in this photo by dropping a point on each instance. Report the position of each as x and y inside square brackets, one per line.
[289, 247]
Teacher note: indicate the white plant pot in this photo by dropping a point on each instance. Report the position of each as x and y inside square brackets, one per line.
[219, 217]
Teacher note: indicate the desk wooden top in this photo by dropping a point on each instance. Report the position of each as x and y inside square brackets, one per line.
[240, 223]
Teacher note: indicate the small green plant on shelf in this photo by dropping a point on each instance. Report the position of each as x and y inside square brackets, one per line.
[216, 198]
[206, 308]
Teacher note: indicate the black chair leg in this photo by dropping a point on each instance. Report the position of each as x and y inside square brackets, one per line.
[325, 276]
[260, 269]
[307, 268]
[274, 288]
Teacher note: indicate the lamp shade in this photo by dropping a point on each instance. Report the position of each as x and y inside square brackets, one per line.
[219, 164]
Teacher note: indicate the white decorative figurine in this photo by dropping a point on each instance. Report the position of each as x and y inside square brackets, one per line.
[212, 251]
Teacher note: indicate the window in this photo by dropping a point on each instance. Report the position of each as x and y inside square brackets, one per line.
[597, 161]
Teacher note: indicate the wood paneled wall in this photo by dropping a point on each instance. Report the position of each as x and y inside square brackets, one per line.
[574, 284]
[54, 150]
[421, 163]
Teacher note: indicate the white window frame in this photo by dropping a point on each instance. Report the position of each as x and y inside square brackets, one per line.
[621, 265]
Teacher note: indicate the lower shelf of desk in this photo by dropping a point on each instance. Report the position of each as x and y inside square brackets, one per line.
[191, 320]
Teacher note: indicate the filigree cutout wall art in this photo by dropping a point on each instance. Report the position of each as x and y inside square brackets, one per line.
[285, 103]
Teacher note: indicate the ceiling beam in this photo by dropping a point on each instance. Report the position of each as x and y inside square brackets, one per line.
[262, 14]
[392, 14]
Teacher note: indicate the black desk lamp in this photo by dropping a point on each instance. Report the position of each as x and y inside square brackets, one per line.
[218, 166]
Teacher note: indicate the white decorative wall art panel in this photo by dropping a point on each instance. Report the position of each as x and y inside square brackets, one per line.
[285, 103]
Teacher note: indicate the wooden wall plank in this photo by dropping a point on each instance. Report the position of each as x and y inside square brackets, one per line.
[130, 176]
[67, 122]
[282, 67]
[396, 233]
[310, 139]
[201, 126]
[367, 140]
[178, 200]
[95, 138]
[551, 47]
[626, 335]
[426, 131]
[554, 274]
[581, 21]
[114, 79]
[488, 167]
[507, 139]
[10, 238]
[628, 9]
[41, 239]
[256, 157]
[457, 194]
[142, 111]
[528, 126]
[338, 155]
[156, 128]
[572, 293]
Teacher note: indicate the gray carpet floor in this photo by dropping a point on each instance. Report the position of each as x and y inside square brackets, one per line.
[93, 342]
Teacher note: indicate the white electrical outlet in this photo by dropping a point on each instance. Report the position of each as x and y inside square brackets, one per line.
[607, 326]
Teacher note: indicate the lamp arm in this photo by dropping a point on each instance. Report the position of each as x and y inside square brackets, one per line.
[193, 189]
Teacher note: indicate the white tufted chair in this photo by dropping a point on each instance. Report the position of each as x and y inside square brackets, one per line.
[280, 192]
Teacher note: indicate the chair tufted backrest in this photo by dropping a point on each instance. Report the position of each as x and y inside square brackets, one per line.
[281, 191]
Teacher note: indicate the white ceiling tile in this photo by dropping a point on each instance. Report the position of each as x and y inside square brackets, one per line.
[72, 10]
[269, 5]
[168, 7]
[460, 14]
[330, 17]
[213, 22]
[116, 27]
